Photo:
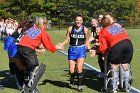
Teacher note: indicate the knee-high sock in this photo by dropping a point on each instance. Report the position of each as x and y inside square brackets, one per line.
[80, 78]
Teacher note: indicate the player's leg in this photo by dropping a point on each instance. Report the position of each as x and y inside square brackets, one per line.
[19, 72]
[127, 57]
[81, 55]
[101, 65]
[12, 67]
[72, 64]
[80, 62]
[30, 59]
[115, 77]
[126, 77]
[72, 71]
[35, 75]
[115, 59]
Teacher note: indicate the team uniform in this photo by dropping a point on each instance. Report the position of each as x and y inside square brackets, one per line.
[114, 41]
[30, 41]
[116, 38]
[26, 49]
[77, 48]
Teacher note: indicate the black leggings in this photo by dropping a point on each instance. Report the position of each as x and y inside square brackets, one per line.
[29, 56]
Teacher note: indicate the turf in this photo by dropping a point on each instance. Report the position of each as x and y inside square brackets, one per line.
[56, 78]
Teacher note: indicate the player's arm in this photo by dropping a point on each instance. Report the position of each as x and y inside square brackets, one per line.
[91, 35]
[87, 40]
[67, 37]
[102, 43]
[40, 49]
[48, 44]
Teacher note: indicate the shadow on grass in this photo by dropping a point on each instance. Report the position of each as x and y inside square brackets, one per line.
[57, 83]
[6, 81]
[89, 79]
[92, 81]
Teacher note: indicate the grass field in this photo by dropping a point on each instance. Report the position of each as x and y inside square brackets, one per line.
[56, 78]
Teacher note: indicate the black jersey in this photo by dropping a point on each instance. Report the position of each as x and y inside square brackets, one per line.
[77, 38]
[93, 29]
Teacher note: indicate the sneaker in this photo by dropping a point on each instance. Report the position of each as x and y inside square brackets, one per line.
[71, 80]
[100, 75]
[80, 89]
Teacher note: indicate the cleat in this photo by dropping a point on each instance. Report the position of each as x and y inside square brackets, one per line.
[80, 89]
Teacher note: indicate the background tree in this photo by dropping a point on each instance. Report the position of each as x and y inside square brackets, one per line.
[65, 10]
[91, 8]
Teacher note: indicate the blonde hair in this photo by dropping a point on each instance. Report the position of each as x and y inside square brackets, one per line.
[42, 22]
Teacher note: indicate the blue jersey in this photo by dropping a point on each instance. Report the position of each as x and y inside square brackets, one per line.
[10, 46]
[12, 50]
[9, 40]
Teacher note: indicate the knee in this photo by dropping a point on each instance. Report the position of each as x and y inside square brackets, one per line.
[79, 69]
[125, 66]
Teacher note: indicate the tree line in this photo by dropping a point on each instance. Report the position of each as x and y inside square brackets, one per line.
[65, 10]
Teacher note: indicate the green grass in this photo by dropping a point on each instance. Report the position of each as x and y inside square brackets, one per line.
[55, 79]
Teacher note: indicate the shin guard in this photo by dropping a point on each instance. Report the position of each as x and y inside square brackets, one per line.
[35, 76]
[115, 79]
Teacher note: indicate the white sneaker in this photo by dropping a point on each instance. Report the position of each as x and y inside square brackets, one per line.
[80, 89]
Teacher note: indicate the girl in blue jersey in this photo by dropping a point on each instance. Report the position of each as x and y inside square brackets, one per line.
[77, 36]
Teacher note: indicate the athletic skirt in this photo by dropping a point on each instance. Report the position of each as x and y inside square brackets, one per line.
[75, 52]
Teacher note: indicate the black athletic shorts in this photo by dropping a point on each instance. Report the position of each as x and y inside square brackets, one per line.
[121, 52]
[28, 55]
